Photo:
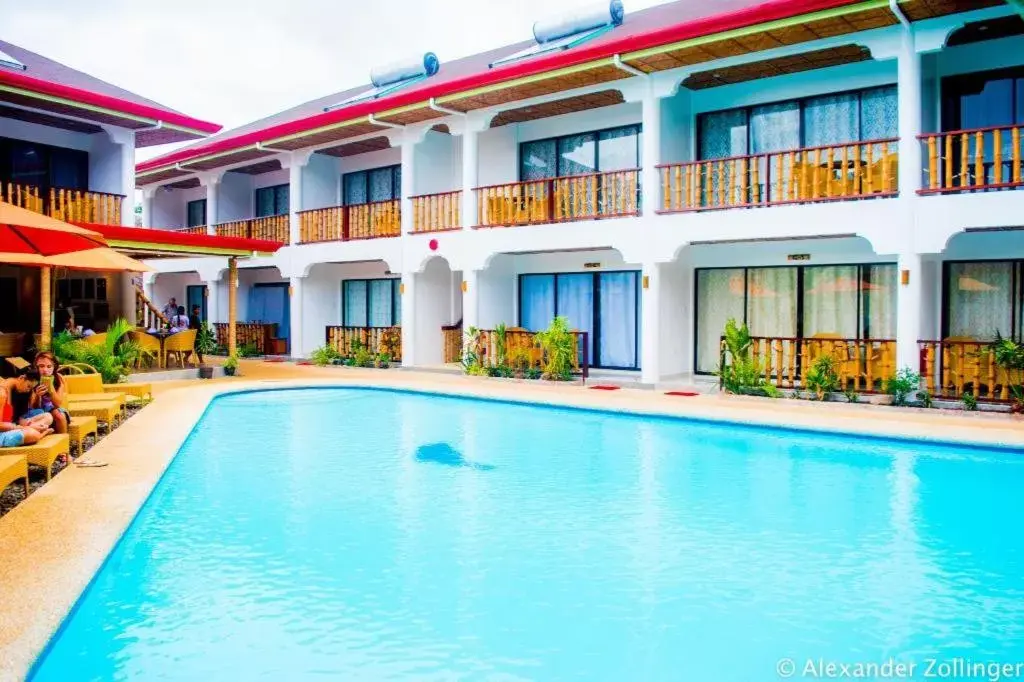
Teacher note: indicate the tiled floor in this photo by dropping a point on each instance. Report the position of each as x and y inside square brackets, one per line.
[55, 541]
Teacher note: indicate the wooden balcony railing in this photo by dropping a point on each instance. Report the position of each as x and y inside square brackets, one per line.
[194, 229]
[858, 170]
[614, 194]
[862, 364]
[523, 351]
[452, 340]
[271, 228]
[259, 335]
[436, 212]
[952, 368]
[344, 223]
[374, 339]
[983, 159]
[69, 205]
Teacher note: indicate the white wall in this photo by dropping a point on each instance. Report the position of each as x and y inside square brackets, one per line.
[677, 128]
[675, 343]
[170, 285]
[270, 179]
[322, 297]
[321, 182]
[168, 208]
[105, 167]
[235, 197]
[378, 159]
[433, 306]
[497, 295]
[33, 132]
[438, 164]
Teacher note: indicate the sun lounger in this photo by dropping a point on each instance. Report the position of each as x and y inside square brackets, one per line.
[44, 453]
[81, 426]
[106, 412]
[13, 468]
[93, 383]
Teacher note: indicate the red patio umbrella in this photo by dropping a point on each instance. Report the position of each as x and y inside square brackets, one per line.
[28, 238]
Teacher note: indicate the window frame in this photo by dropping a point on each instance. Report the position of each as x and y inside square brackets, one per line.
[951, 89]
[1016, 298]
[863, 315]
[395, 300]
[188, 213]
[8, 145]
[597, 149]
[801, 104]
[276, 191]
[396, 184]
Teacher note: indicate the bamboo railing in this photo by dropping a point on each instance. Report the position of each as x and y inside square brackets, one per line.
[952, 368]
[862, 364]
[257, 334]
[345, 223]
[321, 225]
[523, 350]
[452, 341]
[147, 315]
[437, 212]
[69, 205]
[591, 196]
[857, 170]
[971, 160]
[271, 228]
[194, 229]
[374, 339]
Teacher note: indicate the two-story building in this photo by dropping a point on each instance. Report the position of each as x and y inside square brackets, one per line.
[841, 171]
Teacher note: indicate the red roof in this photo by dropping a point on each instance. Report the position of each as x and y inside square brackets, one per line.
[185, 243]
[53, 79]
[660, 25]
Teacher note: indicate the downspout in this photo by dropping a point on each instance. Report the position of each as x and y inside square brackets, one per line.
[384, 124]
[632, 70]
[159, 125]
[894, 7]
[443, 110]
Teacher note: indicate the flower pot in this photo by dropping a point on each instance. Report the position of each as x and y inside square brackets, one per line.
[229, 371]
[206, 372]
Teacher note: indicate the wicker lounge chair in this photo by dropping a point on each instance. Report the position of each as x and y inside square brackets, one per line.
[80, 427]
[44, 453]
[13, 468]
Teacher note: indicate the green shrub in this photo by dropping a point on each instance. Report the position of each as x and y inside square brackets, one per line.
[970, 401]
[851, 395]
[112, 359]
[906, 384]
[822, 377]
[740, 373]
[324, 355]
[231, 365]
[559, 346]
[206, 339]
[382, 361]
[363, 358]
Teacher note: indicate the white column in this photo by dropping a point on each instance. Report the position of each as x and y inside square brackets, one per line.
[297, 349]
[471, 299]
[651, 152]
[212, 190]
[212, 300]
[650, 325]
[296, 165]
[909, 89]
[908, 311]
[147, 206]
[408, 182]
[128, 180]
[470, 168]
[128, 297]
[408, 317]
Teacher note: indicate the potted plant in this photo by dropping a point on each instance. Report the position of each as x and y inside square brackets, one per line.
[231, 366]
[206, 344]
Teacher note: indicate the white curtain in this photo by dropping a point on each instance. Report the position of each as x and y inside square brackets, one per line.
[536, 301]
[771, 302]
[980, 299]
[269, 304]
[719, 297]
[878, 300]
[830, 301]
[576, 303]
[380, 303]
[617, 301]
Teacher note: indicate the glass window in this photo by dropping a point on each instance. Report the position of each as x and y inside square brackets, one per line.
[878, 301]
[41, 165]
[196, 213]
[879, 114]
[575, 303]
[720, 296]
[536, 301]
[377, 184]
[577, 154]
[537, 160]
[381, 308]
[980, 300]
[354, 303]
[832, 119]
[619, 149]
[370, 303]
[618, 299]
[723, 134]
[831, 298]
[397, 283]
[271, 201]
[775, 127]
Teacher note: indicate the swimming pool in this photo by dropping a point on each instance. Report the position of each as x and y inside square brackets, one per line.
[374, 535]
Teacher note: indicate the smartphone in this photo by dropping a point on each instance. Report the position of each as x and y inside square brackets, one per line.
[47, 381]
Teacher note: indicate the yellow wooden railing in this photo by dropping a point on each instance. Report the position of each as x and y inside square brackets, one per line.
[374, 339]
[952, 367]
[971, 160]
[862, 364]
[321, 225]
[377, 219]
[69, 205]
[258, 335]
[271, 228]
[856, 170]
[452, 341]
[194, 229]
[591, 196]
[436, 212]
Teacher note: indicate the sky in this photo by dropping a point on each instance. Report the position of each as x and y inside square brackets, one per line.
[235, 61]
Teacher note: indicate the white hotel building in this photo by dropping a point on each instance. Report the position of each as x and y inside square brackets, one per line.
[822, 169]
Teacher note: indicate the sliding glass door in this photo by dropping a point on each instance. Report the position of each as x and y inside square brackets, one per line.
[830, 301]
[606, 305]
[983, 299]
[269, 303]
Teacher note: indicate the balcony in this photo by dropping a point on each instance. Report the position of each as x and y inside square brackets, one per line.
[194, 229]
[437, 212]
[272, 228]
[979, 160]
[69, 205]
[953, 367]
[592, 196]
[347, 223]
[857, 170]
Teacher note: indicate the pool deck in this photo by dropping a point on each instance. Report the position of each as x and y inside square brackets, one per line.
[54, 542]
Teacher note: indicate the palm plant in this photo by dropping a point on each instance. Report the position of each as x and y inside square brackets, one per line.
[559, 344]
[112, 359]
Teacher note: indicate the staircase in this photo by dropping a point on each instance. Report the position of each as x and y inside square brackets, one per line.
[147, 315]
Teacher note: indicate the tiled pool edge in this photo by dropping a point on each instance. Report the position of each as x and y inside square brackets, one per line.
[49, 576]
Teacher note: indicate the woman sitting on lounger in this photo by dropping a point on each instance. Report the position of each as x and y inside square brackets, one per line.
[50, 395]
[27, 431]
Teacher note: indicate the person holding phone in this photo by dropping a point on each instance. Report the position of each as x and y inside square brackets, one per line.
[14, 434]
[50, 396]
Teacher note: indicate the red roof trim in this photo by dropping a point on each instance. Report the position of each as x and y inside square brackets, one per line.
[106, 101]
[772, 10]
[156, 236]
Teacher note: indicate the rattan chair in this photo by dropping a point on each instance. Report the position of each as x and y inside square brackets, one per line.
[182, 346]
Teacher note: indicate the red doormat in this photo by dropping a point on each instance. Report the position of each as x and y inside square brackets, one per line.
[685, 394]
[605, 387]
[273, 360]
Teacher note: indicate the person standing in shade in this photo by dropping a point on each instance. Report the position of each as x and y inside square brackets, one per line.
[195, 322]
[171, 309]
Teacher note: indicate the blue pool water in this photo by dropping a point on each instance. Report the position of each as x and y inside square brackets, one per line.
[369, 535]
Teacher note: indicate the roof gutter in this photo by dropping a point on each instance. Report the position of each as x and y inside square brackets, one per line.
[632, 70]
[452, 112]
[383, 124]
[260, 147]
